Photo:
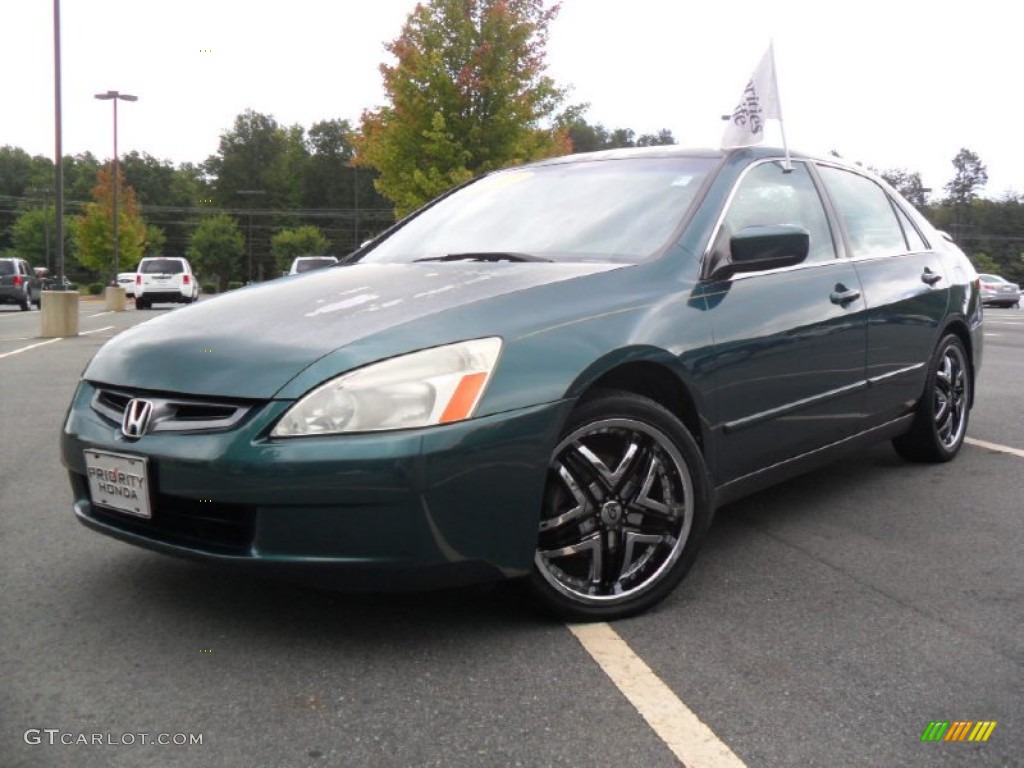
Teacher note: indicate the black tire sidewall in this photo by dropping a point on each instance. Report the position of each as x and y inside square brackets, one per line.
[922, 442]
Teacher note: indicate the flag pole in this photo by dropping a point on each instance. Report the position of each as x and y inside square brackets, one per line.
[787, 166]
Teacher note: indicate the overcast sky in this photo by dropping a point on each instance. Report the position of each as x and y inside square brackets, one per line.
[901, 83]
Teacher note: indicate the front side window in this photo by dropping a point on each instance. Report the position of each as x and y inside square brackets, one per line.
[768, 195]
[867, 213]
[621, 210]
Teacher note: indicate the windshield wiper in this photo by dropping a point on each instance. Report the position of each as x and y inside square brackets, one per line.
[487, 256]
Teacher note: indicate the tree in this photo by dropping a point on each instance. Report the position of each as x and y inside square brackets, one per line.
[984, 263]
[663, 137]
[971, 175]
[585, 137]
[328, 176]
[467, 94]
[216, 249]
[258, 154]
[33, 236]
[94, 231]
[907, 183]
[166, 193]
[301, 241]
[156, 239]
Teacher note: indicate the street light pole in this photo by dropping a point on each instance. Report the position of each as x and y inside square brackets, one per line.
[251, 192]
[58, 166]
[116, 96]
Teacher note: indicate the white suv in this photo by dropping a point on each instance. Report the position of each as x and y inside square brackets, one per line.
[164, 279]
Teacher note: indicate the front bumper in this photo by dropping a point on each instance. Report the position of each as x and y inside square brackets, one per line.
[418, 508]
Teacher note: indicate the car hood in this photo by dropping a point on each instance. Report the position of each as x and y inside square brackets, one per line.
[249, 343]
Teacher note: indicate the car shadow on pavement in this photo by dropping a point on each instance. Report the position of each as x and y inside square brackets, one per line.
[235, 602]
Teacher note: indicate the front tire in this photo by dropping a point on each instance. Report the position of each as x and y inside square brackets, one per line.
[940, 421]
[626, 506]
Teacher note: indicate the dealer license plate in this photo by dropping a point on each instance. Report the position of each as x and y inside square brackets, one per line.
[119, 482]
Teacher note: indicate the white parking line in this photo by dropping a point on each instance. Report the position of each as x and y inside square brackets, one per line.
[690, 740]
[97, 330]
[26, 349]
[995, 447]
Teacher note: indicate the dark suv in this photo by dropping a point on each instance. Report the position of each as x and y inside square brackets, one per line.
[18, 284]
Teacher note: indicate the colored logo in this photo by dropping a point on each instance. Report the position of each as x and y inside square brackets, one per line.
[958, 730]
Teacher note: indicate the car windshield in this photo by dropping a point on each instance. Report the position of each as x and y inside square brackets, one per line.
[6, 267]
[307, 265]
[993, 279]
[591, 210]
[162, 267]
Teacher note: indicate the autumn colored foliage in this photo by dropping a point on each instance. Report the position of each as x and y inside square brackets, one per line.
[467, 94]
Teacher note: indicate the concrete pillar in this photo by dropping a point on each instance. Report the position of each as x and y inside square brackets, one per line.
[59, 313]
[116, 298]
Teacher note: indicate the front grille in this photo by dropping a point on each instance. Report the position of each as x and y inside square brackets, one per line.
[226, 529]
[173, 414]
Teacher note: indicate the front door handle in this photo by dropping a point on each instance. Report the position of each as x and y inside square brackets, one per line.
[843, 295]
[930, 277]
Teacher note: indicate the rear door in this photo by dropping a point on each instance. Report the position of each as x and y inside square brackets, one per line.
[790, 343]
[905, 286]
[161, 275]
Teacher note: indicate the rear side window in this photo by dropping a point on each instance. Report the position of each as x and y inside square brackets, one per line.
[162, 267]
[866, 211]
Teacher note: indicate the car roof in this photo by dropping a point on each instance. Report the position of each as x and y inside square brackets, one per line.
[676, 150]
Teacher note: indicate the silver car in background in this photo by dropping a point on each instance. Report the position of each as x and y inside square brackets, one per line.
[997, 291]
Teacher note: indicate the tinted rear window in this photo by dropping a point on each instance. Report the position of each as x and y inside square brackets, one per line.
[162, 267]
[7, 268]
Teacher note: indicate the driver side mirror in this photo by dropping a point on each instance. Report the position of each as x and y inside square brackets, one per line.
[762, 247]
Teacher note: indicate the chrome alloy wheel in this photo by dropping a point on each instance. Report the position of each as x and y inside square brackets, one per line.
[950, 399]
[617, 512]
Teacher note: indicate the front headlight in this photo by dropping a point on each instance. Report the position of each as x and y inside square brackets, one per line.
[420, 389]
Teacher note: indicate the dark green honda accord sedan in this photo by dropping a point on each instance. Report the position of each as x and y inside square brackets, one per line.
[555, 372]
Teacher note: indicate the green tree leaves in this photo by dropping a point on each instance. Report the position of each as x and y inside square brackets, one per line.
[970, 176]
[468, 94]
[216, 249]
[302, 241]
[94, 231]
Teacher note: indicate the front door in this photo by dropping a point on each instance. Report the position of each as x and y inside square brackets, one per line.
[790, 343]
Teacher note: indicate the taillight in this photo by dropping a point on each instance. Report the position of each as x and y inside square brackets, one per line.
[184, 279]
[138, 279]
[17, 281]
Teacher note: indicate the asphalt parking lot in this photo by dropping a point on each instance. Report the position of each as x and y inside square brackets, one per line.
[827, 622]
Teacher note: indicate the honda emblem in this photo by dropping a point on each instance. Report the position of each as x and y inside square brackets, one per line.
[136, 418]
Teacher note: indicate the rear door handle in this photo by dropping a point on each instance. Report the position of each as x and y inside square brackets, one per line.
[842, 295]
[930, 277]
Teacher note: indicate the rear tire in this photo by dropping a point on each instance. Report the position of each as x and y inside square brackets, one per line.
[141, 304]
[627, 504]
[940, 420]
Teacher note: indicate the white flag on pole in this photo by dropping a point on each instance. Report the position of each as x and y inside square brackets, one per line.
[760, 102]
